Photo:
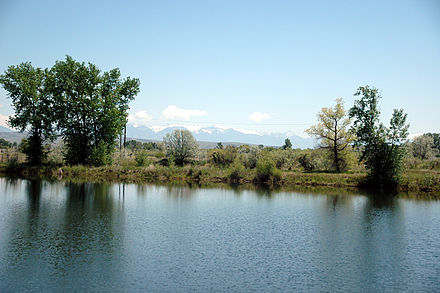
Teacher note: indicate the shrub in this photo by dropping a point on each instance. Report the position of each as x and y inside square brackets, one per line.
[13, 165]
[249, 156]
[224, 157]
[101, 155]
[141, 158]
[306, 162]
[235, 172]
[266, 171]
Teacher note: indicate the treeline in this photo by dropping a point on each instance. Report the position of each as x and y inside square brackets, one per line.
[88, 109]
[84, 105]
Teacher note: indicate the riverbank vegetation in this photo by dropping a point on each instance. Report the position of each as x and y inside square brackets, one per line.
[247, 164]
[76, 115]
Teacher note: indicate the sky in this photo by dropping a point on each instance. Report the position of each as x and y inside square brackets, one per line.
[263, 65]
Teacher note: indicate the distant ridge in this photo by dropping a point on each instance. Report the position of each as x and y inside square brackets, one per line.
[207, 137]
[224, 135]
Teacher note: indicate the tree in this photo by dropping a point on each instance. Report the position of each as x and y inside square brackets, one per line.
[436, 139]
[422, 147]
[181, 146]
[287, 144]
[91, 108]
[333, 133]
[381, 147]
[4, 144]
[31, 100]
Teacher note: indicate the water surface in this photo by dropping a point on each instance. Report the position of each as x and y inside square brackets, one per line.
[126, 237]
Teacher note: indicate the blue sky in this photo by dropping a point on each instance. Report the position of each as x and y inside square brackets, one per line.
[263, 65]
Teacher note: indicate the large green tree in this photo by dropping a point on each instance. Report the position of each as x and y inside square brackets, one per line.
[333, 133]
[32, 102]
[381, 147]
[91, 108]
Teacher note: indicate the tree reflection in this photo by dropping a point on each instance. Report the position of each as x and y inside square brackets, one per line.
[180, 192]
[73, 235]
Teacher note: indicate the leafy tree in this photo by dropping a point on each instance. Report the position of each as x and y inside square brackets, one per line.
[31, 100]
[4, 144]
[133, 145]
[181, 146]
[422, 147]
[436, 139]
[381, 147]
[91, 108]
[333, 133]
[287, 144]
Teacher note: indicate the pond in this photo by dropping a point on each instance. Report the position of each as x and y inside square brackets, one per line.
[63, 236]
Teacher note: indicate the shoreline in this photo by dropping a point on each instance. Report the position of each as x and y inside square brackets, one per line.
[425, 182]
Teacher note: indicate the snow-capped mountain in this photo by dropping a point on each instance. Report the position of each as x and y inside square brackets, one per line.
[222, 134]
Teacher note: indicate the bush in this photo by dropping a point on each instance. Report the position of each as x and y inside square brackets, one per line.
[249, 156]
[235, 172]
[141, 158]
[306, 162]
[224, 157]
[101, 155]
[13, 166]
[266, 171]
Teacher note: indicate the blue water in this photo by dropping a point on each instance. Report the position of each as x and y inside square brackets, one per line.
[122, 238]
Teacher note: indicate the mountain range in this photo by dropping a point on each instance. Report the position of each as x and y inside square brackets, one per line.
[223, 134]
[208, 137]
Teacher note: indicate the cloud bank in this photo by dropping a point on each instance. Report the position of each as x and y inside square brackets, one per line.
[258, 117]
[172, 112]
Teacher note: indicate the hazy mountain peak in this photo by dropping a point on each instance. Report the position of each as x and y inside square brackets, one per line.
[221, 134]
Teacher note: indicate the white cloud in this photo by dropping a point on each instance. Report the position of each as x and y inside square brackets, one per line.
[258, 117]
[172, 112]
[139, 117]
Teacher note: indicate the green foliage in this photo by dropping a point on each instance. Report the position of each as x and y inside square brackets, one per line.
[32, 147]
[101, 155]
[436, 140]
[4, 144]
[249, 155]
[287, 144]
[306, 162]
[31, 99]
[181, 146]
[422, 147]
[235, 172]
[142, 158]
[381, 147]
[266, 171]
[333, 134]
[90, 106]
[137, 145]
[13, 165]
[224, 157]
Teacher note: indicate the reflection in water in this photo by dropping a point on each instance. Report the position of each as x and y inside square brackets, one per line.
[49, 242]
[65, 236]
[180, 192]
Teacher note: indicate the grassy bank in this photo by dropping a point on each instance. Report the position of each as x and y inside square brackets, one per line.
[415, 181]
